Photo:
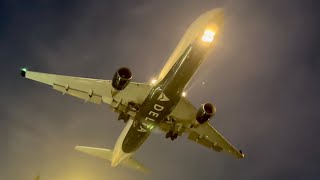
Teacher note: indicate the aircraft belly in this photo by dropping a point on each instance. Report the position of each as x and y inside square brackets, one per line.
[162, 99]
[196, 28]
[153, 111]
[134, 139]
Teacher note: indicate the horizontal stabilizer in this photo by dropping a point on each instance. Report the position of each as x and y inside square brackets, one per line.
[106, 154]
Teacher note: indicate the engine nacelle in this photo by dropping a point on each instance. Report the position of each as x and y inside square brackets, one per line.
[121, 78]
[205, 112]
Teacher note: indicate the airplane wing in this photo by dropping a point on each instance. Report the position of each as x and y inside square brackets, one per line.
[203, 134]
[92, 90]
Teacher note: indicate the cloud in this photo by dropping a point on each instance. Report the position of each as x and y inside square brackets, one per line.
[263, 78]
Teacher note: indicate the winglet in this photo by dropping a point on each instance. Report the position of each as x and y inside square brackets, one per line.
[23, 72]
[241, 153]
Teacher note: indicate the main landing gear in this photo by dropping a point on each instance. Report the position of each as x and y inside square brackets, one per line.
[172, 135]
[173, 132]
[123, 116]
[131, 107]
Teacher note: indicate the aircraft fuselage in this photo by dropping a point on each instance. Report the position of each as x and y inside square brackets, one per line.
[161, 100]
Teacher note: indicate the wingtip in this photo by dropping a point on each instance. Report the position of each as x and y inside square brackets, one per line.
[144, 170]
[23, 72]
[78, 148]
[242, 155]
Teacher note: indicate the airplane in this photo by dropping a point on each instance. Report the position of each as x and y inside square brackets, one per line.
[160, 103]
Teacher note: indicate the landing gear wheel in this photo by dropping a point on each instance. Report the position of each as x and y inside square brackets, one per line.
[126, 119]
[169, 134]
[174, 136]
[123, 116]
[120, 116]
[133, 107]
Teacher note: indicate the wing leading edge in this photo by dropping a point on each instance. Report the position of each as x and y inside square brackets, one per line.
[91, 90]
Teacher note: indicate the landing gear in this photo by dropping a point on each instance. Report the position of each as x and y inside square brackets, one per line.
[171, 135]
[133, 107]
[173, 132]
[174, 136]
[124, 115]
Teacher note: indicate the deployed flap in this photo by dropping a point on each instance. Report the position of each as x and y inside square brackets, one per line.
[92, 90]
[106, 154]
[207, 136]
[203, 134]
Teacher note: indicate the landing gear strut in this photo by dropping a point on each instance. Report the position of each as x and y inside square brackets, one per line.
[171, 135]
[124, 115]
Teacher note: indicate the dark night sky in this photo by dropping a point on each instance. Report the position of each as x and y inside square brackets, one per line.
[263, 77]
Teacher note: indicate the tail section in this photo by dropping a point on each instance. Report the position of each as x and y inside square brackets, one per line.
[106, 154]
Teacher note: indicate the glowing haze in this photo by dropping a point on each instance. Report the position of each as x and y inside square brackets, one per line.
[263, 78]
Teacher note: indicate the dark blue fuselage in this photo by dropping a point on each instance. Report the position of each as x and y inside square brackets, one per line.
[163, 97]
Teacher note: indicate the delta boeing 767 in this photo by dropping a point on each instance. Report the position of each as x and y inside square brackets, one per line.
[159, 104]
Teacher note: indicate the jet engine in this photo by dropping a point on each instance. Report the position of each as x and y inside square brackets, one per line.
[121, 78]
[205, 112]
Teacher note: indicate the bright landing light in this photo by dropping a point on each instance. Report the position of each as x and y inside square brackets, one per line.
[184, 94]
[24, 69]
[153, 81]
[208, 36]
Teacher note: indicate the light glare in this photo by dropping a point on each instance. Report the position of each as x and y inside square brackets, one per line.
[153, 81]
[184, 94]
[208, 36]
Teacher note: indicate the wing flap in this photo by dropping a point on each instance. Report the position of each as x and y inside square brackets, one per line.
[203, 134]
[203, 141]
[207, 136]
[92, 90]
[87, 96]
